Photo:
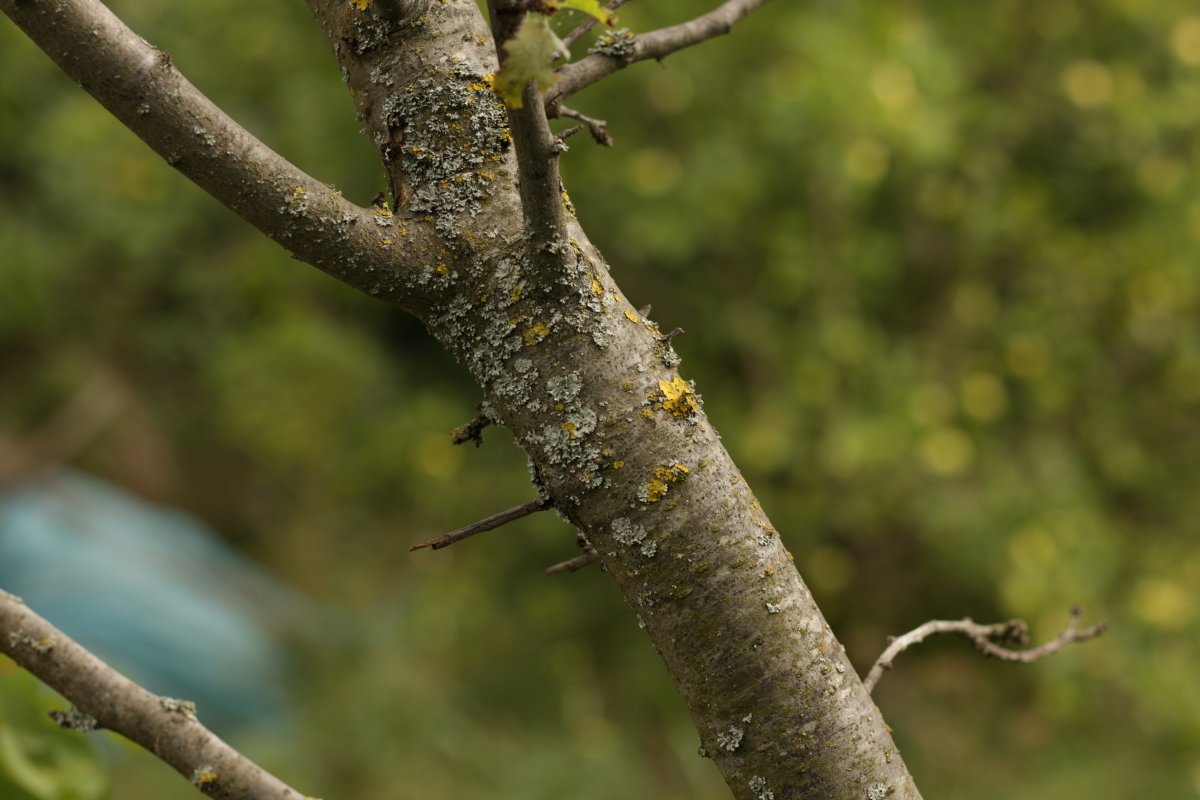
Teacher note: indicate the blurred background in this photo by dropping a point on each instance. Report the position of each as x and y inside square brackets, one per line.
[939, 270]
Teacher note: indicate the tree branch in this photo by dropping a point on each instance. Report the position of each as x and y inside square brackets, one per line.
[584, 559]
[582, 28]
[103, 698]
[988, 639]
[140, 85]
[537, 155]
[486, 524]
[653, 44]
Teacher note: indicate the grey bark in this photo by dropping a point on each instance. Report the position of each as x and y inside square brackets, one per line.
[484, 249]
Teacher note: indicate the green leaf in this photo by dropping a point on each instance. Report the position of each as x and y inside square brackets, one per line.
[590, 7]
[530, 51]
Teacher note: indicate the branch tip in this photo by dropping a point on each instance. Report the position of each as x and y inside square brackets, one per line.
[990, 640]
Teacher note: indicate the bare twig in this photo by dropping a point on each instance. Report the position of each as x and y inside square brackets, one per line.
[653, 44]
[103, 698]
[988, 639]
[584, 559]
[487, 524]
[597, 127]
[581, 30]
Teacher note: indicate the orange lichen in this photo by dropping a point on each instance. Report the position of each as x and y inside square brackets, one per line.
[678, 398]
[661, 479]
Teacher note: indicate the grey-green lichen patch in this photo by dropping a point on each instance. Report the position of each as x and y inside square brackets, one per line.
[632, 535]
[878, 791]
[758, 785]
[564, 388]
[184, 708]
[619, 43]
[450, 136]
[75, 720]
[731, 739]
[20, 638]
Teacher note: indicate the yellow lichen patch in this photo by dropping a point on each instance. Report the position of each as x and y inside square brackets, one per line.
[768, 571]
[361, 5]
[535, 333]
[597, 289]
[647, 413]
[618, 464]
[385, 242]
[629, 315]
[441, 269]
[627, 385]
[569, 427]
[204, 777]
[560, 406]
[383, 211]
[678, 398]
[515, 294]
[661, 479]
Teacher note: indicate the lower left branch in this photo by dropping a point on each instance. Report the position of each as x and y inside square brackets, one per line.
[103, 698]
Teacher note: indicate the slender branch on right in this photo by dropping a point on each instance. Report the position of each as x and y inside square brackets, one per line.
[653, 44]
[988, 639]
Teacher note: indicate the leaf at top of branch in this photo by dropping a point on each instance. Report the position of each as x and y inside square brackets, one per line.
[530, 52]
[590, 7]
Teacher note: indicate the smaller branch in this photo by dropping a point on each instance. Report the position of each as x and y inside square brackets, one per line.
[589, 23]
[597, 127]
[671, 334]
[654, 44]
[487, 524]
[988, 639]
[105, 699]
[472, 431]
[584, 559]
[567, 133]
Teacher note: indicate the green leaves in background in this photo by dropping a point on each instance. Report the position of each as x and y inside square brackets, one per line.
[39, 760]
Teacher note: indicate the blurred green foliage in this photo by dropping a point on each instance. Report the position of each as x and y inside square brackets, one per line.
[938, 267]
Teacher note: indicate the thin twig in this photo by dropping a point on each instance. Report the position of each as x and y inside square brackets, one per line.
[581, 30]
[567, 133]
[105, 699]
[584, 559]
[653, 44]
[487, 524]
[988, 639]
[597, 127]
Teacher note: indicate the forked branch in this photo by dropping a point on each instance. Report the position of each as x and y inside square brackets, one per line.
[103, 698]
[991, 640]
[653, 44]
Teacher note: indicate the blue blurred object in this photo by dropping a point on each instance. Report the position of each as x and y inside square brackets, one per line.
[153, 592]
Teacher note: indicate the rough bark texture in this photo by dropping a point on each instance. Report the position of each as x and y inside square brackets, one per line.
[616, 438]
[104, 699]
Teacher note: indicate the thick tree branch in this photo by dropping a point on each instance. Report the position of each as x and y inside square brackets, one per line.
[988, 639]
[103, 698]
[653, 44]
[140, 85]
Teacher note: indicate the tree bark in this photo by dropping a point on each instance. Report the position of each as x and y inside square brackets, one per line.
[616, 438]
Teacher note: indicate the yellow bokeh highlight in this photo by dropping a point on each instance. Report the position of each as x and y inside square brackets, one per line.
[1185, 41]
[1028, 355]
[1164, 603]
[1088, 84]
[984, 397]
[947, 451]
[894, 85]
[866, 160]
